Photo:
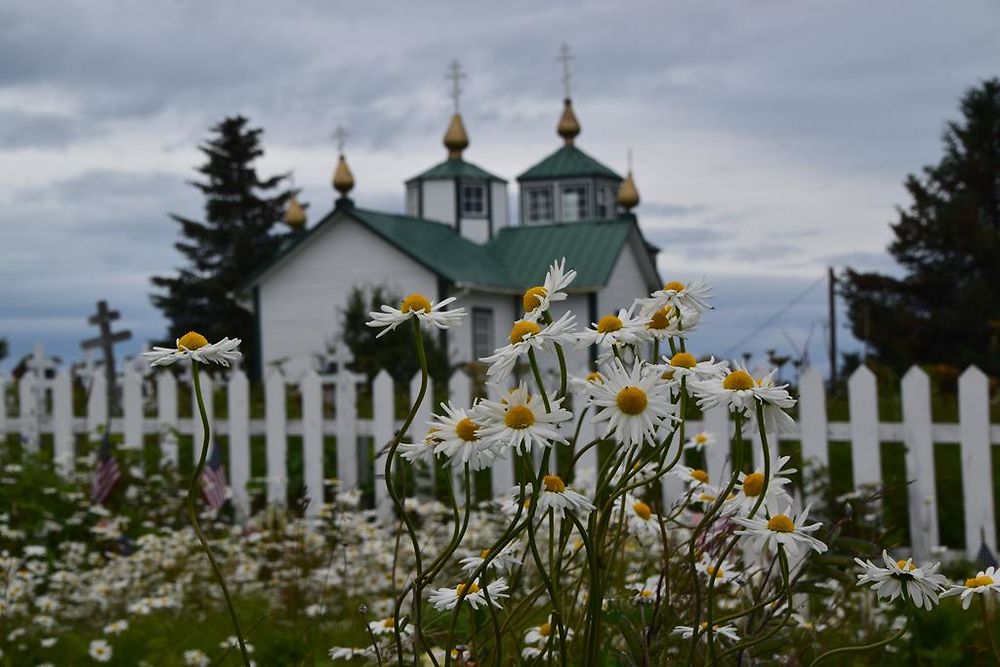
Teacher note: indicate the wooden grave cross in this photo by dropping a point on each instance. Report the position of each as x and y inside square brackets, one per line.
[105, 341]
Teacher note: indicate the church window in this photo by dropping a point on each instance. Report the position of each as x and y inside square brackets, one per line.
[473, 200]
[482, 332]
[602, 202]
[574, 203]
[539, 205]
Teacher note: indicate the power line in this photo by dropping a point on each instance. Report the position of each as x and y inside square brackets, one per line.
[766, 323]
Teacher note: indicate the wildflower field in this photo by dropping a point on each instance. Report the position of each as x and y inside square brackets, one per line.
[571, 566]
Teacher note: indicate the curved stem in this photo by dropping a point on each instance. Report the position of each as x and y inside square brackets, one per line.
[863, 647]
[193, 514]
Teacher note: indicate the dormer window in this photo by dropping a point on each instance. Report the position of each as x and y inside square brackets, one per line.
[473, 200]
[603, 197]
[539, 204]
[574, 203]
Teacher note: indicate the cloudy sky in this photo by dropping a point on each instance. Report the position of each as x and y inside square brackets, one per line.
[770, 139]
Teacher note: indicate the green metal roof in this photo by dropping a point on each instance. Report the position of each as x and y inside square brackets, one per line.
[567, 162]
[456, 168]
[514, 259]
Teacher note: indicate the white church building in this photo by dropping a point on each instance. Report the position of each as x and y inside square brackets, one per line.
[457, 238]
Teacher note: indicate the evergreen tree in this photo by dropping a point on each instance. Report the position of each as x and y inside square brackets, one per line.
[945, 309]
[236, 239]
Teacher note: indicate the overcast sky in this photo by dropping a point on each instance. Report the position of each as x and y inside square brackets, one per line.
[770, 139]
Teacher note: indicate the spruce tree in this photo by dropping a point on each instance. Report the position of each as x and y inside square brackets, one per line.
[945, 309]
[235, 239]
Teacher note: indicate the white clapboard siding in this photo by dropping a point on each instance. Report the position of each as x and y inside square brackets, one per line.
[345, 403]
[916, 388]
[383, 431]
[238, 406]
[865, 449]
[166, 416]
[132, 403]
[312, 440]
[977, 486]
[97, 405]
[27, 396]
[276, 437]
[62, 426]
[812, 418]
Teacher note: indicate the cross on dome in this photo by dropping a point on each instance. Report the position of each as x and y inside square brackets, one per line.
[455, 74]
[565, 57]
[340, 136]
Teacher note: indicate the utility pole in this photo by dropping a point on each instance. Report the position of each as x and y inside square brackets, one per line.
[831, 303]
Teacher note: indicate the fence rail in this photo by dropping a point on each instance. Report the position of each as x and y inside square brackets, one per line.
[30, 417]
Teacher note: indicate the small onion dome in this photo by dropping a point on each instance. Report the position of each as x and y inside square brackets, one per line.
[569, 126]
[455, 138]
[295, 215]
[343, 179]
[628, 195]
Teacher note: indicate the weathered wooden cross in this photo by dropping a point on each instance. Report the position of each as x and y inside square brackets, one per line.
[103, 319]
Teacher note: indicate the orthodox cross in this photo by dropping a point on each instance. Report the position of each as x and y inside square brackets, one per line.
[340, 136]
[105, 341]
[456, 75]
[39, 364]
[565, 57]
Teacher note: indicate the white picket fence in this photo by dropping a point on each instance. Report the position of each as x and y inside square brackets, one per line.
[864, 432]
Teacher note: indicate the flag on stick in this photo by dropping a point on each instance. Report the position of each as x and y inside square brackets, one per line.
[106, 474]
[213, 480]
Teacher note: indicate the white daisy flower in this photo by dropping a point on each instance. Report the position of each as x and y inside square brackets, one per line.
[520, 420]
[582, 384]
[538, 299]
[618, 329]
[685, 364]
[741, 393]
[723, 574]
[727, 631]
[100, 650]
[693, 296]
[668, 322]
[695, 478]
[458, 439]
[527, 335]
[503, 561]
[447, 598]
[537, 639]
[194, 345]
[419, 306]
[751, 486]
[922, 583]
[196, 658]
[781, 529]
[349, 652]
[699, 441]
[387, 626]
[116, 628]
[646, 592]
[423, 450]
[634, 402]
[984, 583]
[642, 521]
[557, 497]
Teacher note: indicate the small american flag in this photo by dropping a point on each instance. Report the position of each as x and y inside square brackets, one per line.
[106, 474]
[214, 480]
[985, 557]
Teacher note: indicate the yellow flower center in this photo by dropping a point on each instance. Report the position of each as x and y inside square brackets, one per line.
[192, 340]
[389, 622]
[521, 329]
[706, 498]
[545, 629]
[533, 298]
[701, 438]
[595, 377]
[753, 484]
[484, 553]
[683, 360]
[646, 593]
[674, 285]
[642, 510]
[700, 475]
[415, 302]
[980, 580]
[554, 483]
[738, 380]
[780, 523]
[660, 319]
[466, 430]
[908, 566]
[632, 400]
[519, 416]
[609, 323]
[667, 375]
[712, 572]
[471, 588]
[432, 438]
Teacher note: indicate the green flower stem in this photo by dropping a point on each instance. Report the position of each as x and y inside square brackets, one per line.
[863, 647]
[435, 568]
[192, 494]
[410, 529]
[594, 599]
[786, 578]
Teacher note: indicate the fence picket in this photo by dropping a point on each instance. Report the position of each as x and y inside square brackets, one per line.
[345, 403]
[717, 454]
[275, 435]
[27, 396]
[916, 390]
[312, 440]
[423, 479]
[383, 430]
[166, 416]
[977, 486]
[866, 457]
[812, 420]
[62, 422]
[132, 399]
[3, 407]
[238, 404]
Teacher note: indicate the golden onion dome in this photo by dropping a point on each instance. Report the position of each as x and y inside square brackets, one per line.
[455, 138]
[628, 194]
[569, 126]
[343, 179]
[295, 215]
